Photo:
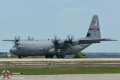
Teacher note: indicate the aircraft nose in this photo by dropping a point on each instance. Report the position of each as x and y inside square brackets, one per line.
[12, 50]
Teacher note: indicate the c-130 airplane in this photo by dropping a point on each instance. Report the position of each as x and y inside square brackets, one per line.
[60, 48]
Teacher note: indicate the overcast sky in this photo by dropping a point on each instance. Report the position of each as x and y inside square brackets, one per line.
[43, 19]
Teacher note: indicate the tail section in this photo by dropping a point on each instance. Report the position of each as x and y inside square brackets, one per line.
[93, 35]
[94, 29]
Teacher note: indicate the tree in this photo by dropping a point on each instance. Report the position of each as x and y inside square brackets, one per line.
[79, 55]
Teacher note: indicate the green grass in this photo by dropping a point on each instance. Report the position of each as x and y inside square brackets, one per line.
[72, 70]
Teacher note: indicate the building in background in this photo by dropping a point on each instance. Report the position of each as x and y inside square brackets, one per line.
[5, 54]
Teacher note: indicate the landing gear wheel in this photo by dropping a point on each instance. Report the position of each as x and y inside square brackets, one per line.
[58, 56]
[20, 56]
[46, 56]
[51, 56]
[63, 56]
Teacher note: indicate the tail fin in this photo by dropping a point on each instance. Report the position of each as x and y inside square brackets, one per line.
[94, 29]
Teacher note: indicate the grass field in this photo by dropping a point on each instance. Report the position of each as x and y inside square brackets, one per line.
[69, 70]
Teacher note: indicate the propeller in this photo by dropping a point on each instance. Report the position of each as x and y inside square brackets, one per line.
[70, 39]
[17, 39]
[55, 41]
[30, 38]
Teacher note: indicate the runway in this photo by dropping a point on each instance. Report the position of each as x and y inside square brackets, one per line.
[57, 63]
[68, 77]
[44, 59]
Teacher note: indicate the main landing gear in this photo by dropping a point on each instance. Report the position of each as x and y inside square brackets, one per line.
[60, 56]
[49, 56]
[20, 56]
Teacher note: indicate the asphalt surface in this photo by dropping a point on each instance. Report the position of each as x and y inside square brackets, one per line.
[56, 63]
[67, 77]
[44, 59]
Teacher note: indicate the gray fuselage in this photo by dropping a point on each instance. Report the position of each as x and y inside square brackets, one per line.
[45, 47]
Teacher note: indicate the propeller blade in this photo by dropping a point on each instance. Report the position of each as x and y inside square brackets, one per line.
[17, 39]
[70, 39]
[56, 40]
[30, 38]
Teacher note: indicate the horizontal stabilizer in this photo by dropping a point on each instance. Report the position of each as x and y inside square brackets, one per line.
[108, 39]
[90, 40]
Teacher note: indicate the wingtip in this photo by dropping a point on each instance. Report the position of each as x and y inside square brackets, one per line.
[115, 40]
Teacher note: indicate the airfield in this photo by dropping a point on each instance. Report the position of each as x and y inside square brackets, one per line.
[64, 60]
[53, 63]
[68, 77]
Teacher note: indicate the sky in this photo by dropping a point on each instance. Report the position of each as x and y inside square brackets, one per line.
[43, 19]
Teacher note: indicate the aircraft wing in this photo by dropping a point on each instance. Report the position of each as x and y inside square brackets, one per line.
[9, 40]
[90, 40]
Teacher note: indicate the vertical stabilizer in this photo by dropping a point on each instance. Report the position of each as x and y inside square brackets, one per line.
[94, 29]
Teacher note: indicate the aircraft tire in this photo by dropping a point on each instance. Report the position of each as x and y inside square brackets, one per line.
[46, 56]
[20, 56]
[57, 56]
[63, 56]
[51, 56]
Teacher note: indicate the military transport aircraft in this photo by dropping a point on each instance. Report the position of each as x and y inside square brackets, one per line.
[60, 48]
